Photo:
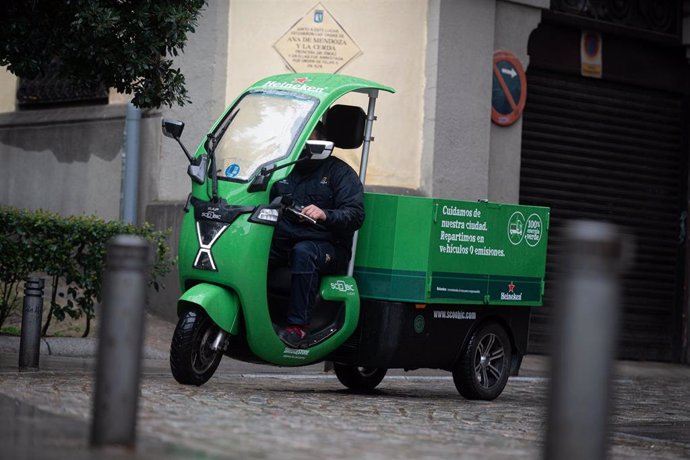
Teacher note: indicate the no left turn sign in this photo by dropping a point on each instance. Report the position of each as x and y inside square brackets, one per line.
[509, 89]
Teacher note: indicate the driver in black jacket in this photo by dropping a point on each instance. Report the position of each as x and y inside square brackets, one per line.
[330, 192]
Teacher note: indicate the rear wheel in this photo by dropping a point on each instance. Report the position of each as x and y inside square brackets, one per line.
[483, 369]
[359, 378]
[192, 360]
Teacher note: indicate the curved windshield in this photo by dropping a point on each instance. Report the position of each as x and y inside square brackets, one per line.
[263, 130]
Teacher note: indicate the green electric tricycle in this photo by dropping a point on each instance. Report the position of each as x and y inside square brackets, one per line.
[433, 283]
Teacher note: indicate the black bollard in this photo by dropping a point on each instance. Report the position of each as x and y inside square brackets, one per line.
[584, 340]
[120, 342]
[32, 315]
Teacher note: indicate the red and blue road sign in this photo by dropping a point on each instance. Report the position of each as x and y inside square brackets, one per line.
[509, 89]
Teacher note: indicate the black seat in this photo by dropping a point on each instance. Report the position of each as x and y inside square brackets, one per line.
[345, 126]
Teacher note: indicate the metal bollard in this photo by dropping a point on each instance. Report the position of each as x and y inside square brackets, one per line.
[584, 342]
[120, 342]
[32, 315]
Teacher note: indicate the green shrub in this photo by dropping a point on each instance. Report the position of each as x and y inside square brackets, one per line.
[10, 330]
[71, 252]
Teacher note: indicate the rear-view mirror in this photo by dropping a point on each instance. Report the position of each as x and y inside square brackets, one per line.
[319, 150]
[172, 128]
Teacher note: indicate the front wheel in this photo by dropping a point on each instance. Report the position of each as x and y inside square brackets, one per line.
[483, 368]
[192, 360]
[359, 378]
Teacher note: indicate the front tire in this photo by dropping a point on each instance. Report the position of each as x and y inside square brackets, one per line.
[359, 378]
[483, 369]
[192, 361]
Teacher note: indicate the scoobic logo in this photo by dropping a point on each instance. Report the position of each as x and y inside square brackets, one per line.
[211, 214]
[295, 353]
[511, 294]
[342, 286]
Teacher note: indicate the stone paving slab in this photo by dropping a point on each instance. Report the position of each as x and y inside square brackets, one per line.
[249, 411]
[38, 434]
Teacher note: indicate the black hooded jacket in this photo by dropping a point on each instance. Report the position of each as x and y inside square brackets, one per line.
[333, 186]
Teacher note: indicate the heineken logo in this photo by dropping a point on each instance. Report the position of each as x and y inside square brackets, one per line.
[505, 296]
[297, 85]
[511, 294]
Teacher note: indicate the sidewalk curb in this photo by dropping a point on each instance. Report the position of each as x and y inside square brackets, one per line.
[69, 346]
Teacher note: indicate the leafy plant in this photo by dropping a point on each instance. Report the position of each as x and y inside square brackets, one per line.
[71, 252]
[10, 330]
[14, 264]
[126, 44]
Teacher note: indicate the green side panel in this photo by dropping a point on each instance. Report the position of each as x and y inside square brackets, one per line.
[468, 287]
[400, 285]
[392, 237]
[471, 288]
[221, 304]
[515, 289]
[505, 243]
[442, 251]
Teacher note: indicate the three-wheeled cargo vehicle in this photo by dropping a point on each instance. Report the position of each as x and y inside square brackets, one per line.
[433, 283]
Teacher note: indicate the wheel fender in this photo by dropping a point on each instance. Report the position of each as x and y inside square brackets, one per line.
[222, 305]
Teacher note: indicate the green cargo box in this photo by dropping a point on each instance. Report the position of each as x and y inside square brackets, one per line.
[428, 250]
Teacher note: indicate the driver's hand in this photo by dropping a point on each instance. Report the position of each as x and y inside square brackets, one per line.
[314, 212]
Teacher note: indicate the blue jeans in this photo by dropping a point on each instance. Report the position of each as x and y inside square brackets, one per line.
[308, 261]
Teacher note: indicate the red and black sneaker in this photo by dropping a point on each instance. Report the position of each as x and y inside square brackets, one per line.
[293, 336]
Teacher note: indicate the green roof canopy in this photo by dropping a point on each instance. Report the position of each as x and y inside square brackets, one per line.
[327, 87]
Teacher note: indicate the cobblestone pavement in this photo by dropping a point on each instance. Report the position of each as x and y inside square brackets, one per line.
[262, 412]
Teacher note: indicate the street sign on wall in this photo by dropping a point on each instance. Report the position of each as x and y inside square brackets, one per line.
[590, 54]
[317, 43]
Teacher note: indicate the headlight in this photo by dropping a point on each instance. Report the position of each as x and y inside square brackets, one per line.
[267, 215]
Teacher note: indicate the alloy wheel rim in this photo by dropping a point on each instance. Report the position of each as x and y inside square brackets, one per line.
[489, 361]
